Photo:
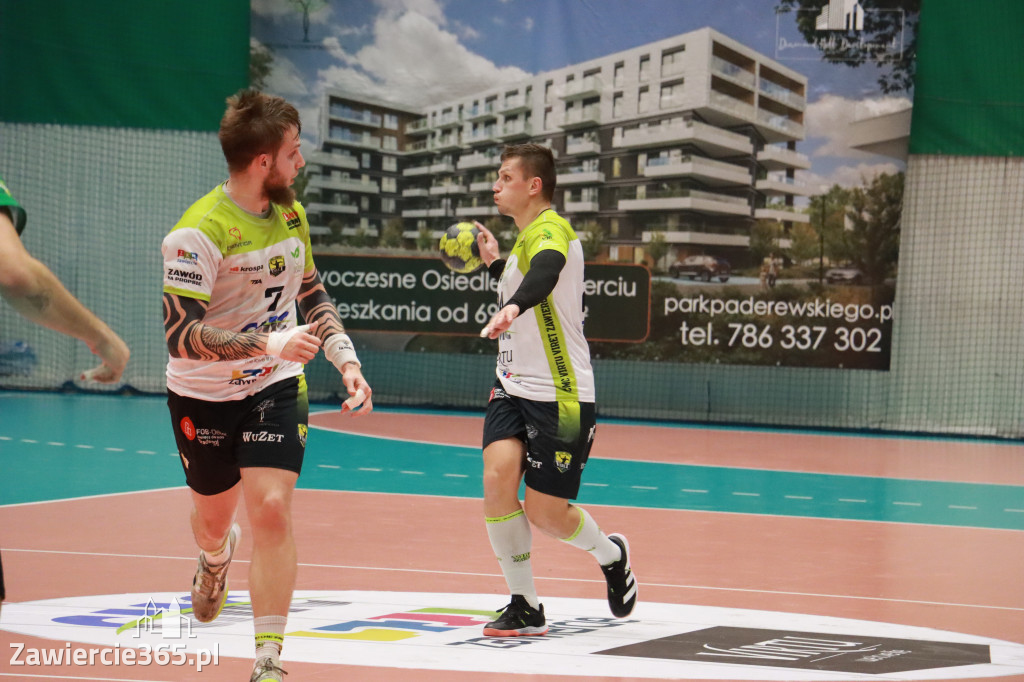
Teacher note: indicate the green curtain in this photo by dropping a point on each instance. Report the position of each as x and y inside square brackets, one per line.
[165, 64]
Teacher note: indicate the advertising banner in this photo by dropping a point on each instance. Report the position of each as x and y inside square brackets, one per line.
[754, 166]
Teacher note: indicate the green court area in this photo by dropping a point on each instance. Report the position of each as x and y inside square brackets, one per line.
[59, 446]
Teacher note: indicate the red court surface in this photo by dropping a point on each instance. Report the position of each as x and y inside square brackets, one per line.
[961, 580]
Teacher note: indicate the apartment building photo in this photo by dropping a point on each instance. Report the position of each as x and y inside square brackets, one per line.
[692, 136]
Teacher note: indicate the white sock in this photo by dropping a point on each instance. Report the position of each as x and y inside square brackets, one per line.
[270, 636]
[590, 538]
[512, 539]
[219, 556]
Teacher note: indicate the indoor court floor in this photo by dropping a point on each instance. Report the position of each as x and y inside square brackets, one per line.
[760, 554]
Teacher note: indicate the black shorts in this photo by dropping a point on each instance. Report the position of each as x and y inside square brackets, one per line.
[558, 436]
[216, 440]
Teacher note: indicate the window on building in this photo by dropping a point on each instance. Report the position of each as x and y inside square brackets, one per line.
[390, 163]
[617, 167]
[548, 94]
[672, 60]
[390, 142]
[364, 203]
[365, 160]
[391, 121]
[618, 101]
[671, 95]
[620, 74]
[643, 103]
[388, 185]
[387, 205]
[645, 68]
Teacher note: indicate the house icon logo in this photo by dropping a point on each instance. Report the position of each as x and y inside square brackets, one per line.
[165, 620]
[840, 15]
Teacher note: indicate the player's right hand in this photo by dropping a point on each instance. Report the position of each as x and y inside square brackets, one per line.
[487, 243]
[295, 345]
[114, 353]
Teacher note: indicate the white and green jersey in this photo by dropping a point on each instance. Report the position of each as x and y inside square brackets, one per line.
[249, 269]
[544, 356]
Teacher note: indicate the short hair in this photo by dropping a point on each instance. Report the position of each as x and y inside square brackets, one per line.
[537, 161]
[255, 123]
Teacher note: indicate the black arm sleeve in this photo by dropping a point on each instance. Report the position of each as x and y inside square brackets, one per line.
[540, 281]
[496, 267]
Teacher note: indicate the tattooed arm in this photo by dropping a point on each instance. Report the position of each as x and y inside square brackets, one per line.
[189, 338]
[316, 307]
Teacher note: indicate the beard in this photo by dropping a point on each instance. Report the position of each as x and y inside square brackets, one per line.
[277, 191]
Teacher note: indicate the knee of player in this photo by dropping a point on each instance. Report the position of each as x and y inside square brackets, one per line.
[270, 513]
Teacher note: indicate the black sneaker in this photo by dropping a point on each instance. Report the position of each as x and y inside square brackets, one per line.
[518, 619]
[621, 582]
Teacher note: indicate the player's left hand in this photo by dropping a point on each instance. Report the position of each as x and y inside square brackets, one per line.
[360, 402]
[501, 321]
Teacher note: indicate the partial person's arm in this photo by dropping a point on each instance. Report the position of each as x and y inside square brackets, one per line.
[316, 307]
[537, 284]
[35, 292]
[190, 339]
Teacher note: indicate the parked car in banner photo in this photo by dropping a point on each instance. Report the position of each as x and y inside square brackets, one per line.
[846, 274]
[704, 268]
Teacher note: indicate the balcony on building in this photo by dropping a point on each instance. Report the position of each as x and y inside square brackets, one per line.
[329, 160]
[774, 157]
[578, 175]
[775, 185]
[515, 104]
[413, 171]
[344, 184]
[475, 209]
[481, 112]
[355, 139]
[777, 126]
[708, 138]
[783, 214]
[711, 172]
[451, 119]
[587, 87]
[442, 166]
[416, 213]
[419, 147]
[326, 209]
[415, 192]
[582, 144]
[347, 114]
[479, 160]
[516, 130]
[482, 186]
[488, 135]
[732, 106]
[679, 199]
[782, 88]
[696, 237]
[447, 142]
[734, 73]
[420, 126]
[581, 202]
[582, 117]
[447, 188]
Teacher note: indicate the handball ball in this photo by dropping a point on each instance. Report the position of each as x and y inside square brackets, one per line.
[459, 249]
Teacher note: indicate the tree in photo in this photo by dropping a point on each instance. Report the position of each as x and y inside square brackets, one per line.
[873, 237]
[657, 248]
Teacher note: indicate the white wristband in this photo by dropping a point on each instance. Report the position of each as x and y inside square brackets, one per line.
[278, 340]
[339, 350]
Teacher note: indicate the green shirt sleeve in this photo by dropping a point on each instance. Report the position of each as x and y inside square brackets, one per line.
[8, 202]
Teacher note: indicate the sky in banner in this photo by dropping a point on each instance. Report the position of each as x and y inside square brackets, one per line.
[420, 52]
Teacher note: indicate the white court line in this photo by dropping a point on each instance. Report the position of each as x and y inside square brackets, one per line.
[568, 580]
[65, 677]
[93, 497]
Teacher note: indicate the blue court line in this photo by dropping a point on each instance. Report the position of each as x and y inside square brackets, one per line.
[58, 446]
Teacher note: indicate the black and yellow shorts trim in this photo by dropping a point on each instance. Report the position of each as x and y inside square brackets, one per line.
[558, 437]
[216, 440]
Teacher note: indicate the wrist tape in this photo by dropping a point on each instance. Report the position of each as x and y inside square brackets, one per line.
[339, 350]
[278, 340]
